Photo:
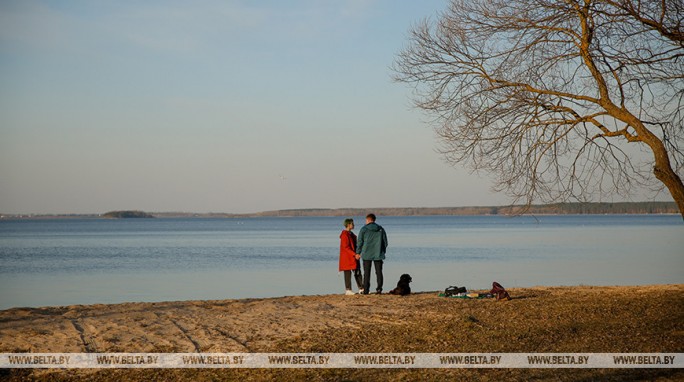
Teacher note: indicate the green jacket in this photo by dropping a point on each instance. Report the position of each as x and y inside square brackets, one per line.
[372, 242]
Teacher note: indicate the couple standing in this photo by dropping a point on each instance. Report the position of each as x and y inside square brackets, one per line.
[370, 247]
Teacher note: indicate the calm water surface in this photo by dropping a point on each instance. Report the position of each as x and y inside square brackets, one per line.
[84, 261]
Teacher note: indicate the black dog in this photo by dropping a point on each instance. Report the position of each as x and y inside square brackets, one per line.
[403, 287]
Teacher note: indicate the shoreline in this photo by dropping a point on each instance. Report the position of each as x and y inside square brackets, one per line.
[181, 302]
[543, 319]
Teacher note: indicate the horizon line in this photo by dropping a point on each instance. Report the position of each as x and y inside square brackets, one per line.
[356, 209]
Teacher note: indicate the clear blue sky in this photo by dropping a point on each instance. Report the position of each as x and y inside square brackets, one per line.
[224, 106]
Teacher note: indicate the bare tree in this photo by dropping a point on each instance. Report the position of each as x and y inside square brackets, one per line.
[561, 99]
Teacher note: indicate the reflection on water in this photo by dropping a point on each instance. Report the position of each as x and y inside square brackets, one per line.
[60, 262]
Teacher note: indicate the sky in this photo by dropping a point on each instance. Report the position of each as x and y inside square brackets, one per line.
[216, 106]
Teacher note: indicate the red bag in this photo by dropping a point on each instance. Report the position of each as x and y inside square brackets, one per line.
[499, 292]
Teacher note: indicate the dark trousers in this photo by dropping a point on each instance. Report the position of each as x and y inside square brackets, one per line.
[366, 274]
[357, 277]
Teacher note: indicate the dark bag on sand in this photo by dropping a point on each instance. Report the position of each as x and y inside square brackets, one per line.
[454, 290]
[499, 292]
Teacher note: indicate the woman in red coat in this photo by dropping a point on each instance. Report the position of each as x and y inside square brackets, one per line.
[349, 260]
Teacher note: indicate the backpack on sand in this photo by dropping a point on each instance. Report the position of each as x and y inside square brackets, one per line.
[499, 292]
[454, 290]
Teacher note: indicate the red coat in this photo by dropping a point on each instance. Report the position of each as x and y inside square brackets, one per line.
[347, 251]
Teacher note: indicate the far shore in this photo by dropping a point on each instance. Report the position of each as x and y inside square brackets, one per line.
[621, 319]
[622, 208]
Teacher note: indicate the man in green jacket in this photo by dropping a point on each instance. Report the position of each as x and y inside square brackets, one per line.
[371, 245]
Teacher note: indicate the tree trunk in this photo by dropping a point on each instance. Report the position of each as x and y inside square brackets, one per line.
[662, 168]
[673, 183]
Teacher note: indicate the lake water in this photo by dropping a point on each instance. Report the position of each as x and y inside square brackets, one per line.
[86, 261]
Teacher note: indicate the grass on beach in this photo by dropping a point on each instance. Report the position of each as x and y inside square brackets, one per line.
[542, 320]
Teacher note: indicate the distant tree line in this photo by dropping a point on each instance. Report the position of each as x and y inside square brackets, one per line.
[600, 208]
[545, 209]
[126, 215]
[560, 209]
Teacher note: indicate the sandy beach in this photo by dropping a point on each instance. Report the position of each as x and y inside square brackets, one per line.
[541, 319]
